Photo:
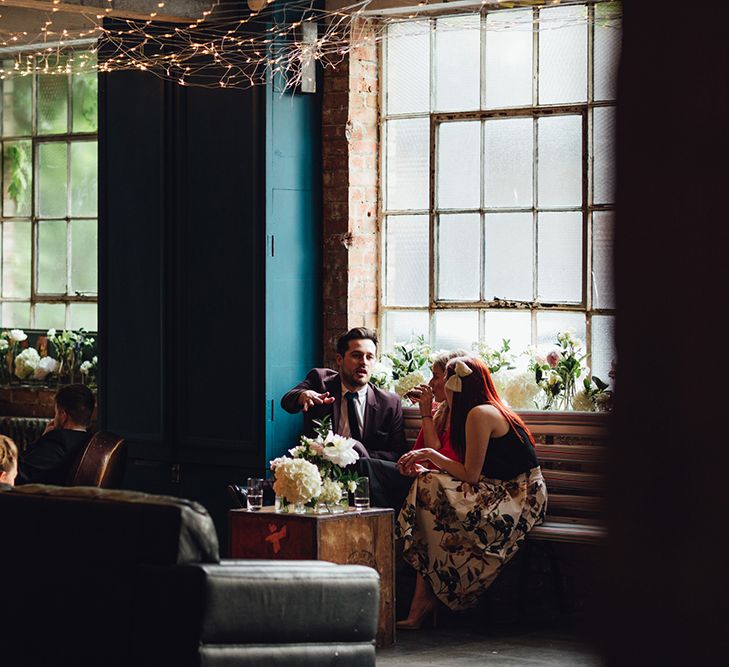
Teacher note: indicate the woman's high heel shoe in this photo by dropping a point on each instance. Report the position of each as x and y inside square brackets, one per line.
[428, 612]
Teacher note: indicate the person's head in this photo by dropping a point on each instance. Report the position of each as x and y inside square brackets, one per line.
[74, 406]
[474, 388]
[438, 367]
[8, 461]
[356, 355]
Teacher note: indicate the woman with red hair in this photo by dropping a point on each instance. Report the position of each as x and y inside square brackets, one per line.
[462, 523]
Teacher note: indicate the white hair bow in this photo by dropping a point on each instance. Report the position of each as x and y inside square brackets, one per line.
[454, 382]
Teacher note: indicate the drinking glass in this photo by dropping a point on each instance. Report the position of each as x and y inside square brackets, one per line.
[255, 493]
[362, 494]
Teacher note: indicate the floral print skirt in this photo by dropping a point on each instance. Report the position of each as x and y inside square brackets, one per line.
[459, 535]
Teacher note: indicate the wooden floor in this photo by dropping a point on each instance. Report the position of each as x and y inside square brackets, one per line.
[451, 647]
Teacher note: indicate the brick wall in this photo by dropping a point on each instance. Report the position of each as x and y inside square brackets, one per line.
[350, 118]
[27, 401]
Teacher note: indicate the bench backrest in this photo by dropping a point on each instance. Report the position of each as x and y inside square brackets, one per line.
[571, 448]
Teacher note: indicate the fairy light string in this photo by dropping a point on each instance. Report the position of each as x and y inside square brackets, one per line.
[224, 48]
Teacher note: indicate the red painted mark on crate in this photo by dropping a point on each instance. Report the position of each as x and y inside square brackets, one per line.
[275, 537]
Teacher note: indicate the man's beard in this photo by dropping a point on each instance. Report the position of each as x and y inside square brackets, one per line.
[354, 381]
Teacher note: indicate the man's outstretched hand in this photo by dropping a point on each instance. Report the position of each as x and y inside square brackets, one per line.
[309, 398]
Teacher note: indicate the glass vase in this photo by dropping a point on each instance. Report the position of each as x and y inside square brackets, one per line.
[284, 506]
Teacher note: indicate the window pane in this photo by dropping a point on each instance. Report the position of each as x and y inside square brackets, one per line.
[508, 160]
[560, 161]
[52, 179]
[52, 256]
[603, 293]
[84, 252]
[458, 165]
[18, 178]
[455, 329]
[82, 315]
[408, 67]
[85, 88]
[563, 55]
[52, 104]
[457, 58]
[509, 256]
[15, 314]
[509, 59]
[604, 155]
[603, 347]
[607, 49]
[50, 316]
[400, 326]
[560, 257]
[459, 239]
[17, 104]
[512, 325]
[16, 258]
[551, 324]
[407, 164]
[83, 178]
[406, 264]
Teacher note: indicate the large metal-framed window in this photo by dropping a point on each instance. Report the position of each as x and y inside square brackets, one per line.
[48, 240]
[497, 175]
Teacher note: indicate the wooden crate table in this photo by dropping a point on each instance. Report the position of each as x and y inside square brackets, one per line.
[349, 537]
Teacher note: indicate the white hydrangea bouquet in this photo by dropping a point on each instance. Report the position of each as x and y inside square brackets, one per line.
[318, 473]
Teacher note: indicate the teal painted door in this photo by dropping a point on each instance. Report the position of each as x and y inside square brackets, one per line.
[293, 255]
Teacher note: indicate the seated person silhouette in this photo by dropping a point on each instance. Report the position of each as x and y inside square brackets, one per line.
[50, 458]
[357, 408]
[389, 484]
[8, 463]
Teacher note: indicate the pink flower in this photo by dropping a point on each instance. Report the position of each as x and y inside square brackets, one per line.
[553, 358]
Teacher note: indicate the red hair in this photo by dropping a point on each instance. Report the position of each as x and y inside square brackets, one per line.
[477, 389]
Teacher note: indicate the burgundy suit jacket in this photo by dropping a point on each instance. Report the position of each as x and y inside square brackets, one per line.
[384, 435]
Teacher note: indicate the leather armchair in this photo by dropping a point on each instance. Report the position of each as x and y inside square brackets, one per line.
[101, 463]
[118, 578]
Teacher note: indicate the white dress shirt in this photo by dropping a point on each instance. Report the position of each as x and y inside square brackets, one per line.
[360, 399]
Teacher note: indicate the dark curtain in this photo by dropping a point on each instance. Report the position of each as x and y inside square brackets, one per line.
[665, 596]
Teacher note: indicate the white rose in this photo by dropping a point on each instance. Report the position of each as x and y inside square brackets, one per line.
[582, 402]
[339, 450]
[331, 492]
[45, 367]
[86, 367]
[51, 333]
[518, 389]
[408, 382]
[4, 345]
[26, 362]
[18, 335]
[352, 485]
[297, 480]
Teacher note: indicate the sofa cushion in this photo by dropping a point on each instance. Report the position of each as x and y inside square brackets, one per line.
[105, 526]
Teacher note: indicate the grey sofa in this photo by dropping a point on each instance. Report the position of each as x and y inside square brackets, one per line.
[102, 577]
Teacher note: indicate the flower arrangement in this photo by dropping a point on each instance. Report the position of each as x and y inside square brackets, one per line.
[558, 373]
[317, 473]
[21, 361]
[69, 347]
[496, 360]
[558, 380]
[410, 363]
[26, 362]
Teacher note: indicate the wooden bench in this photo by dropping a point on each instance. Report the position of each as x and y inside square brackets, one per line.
[571, 450]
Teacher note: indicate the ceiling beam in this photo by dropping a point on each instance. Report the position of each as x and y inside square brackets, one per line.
[173, 11]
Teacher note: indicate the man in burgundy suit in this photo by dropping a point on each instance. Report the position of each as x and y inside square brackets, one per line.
[358, 409]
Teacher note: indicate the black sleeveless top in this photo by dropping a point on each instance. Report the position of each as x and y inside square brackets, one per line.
[507, 456]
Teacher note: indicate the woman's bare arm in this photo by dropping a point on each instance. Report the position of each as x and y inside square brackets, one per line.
[480, 424]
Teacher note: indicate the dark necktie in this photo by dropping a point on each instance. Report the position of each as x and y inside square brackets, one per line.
[352, 415]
